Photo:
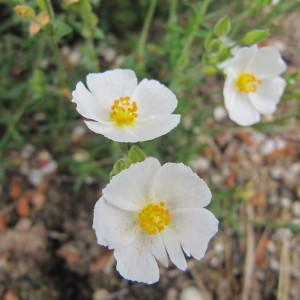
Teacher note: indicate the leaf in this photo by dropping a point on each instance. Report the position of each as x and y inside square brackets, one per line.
[61, 29]
[255, 36]
[136, 154]
[223, 26]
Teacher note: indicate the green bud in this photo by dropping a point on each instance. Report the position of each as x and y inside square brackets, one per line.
[255, 36]
[223, 26]
[214, 45]
[136, 154]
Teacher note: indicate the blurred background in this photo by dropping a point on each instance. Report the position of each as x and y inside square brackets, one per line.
[52, 168]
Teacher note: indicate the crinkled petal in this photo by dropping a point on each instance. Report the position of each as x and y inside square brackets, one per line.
[111, 85]
[113, 226]
[135, 262]
[154, 127]
[268, 95]
[238, 105]
[267, 63]
[130, 188]
[242, 58]
[153, 98]
[87, 105]
[172, 244]
[179, 187]
[112, 132]
[158, 250]
[194, 227]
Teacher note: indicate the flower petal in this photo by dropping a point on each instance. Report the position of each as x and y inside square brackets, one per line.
[194, 227]
[154, 127]
[174, 249]
[238, 105]
[113, 226]
[159, 250]
[268, 95]
[111, 85]
[87, 105]
[267, 63]
[153, 98]
[135, 261]
[129, 189]
[179, 187]
[112, 132]
[240, 61]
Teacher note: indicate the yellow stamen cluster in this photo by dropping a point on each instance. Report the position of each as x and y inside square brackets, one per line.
[154, 217]
[123, 111]
[247, 83]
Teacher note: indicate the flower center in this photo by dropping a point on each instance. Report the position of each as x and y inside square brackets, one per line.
[247, 83]
[154, 217]
[123, 111]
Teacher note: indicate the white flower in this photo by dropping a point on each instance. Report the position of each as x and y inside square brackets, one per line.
[151, 213]
[253, 85]
[123, 110]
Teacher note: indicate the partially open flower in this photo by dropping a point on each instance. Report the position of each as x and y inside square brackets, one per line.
[253, 85]
[123, 110]
[151, 213]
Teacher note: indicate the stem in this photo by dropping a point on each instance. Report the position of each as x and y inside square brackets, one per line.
[145, 30]
[184, 56]
[54, 45]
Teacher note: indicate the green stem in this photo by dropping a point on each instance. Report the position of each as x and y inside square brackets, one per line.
[145, 30]
[184, 56]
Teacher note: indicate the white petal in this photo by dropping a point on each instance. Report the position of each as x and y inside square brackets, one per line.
[87, 105]
[154, 127]
[267, 63]
[179, 187]
[111, 85]
[174, 249]
[135, 261]
[159, 250]
[130, 188]
[268, 95]
[112, 132]
[239, 107]
[240, 61]
[113, 226]
[194, 227]
[153, 98]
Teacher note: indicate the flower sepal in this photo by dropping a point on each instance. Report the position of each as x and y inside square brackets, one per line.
[135, 154]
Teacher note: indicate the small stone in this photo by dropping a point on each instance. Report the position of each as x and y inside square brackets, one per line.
[285, 202]
[267, 147]
[191, 293]
[219, 114]
[200, 164]
[296, 208]
[276, 172]
[100, 294]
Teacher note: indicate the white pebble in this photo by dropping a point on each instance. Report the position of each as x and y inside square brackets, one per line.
[219, 114]
[191, 293]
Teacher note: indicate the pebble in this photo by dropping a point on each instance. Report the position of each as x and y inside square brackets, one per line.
[220, 114]
[191, 293]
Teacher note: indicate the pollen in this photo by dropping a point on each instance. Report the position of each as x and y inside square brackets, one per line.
[154, 217]
[123, 111]
[247, 83]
